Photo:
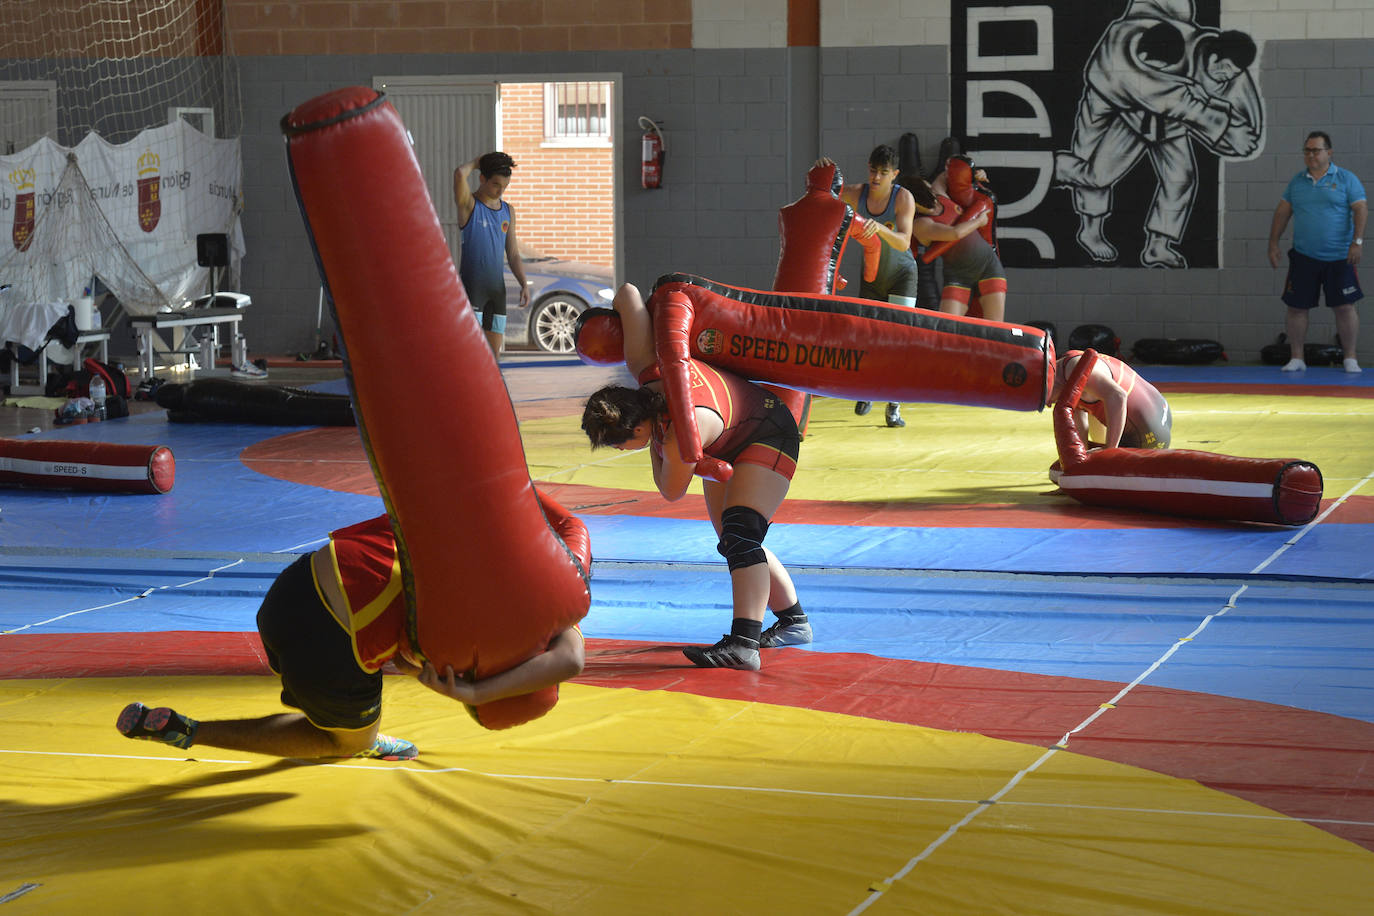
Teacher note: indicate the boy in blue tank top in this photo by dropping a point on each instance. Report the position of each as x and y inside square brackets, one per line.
[488, 228]
[889, 209]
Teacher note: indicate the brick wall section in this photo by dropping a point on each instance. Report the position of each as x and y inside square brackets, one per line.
[457, 26]
[563, 196]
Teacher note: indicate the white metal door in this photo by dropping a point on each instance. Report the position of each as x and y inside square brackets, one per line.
[451, 121]
[28, 111]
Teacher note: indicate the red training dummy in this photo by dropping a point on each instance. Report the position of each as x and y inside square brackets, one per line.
[813, 230]
[492, 572]
[967, 200]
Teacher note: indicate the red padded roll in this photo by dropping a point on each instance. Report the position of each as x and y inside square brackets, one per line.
[854, 349]
[488, 582]
[1184, 482]
[104, 466]
[1197, 484]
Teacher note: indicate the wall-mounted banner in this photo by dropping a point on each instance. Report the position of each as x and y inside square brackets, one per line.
[1103, 126]
[127, 214]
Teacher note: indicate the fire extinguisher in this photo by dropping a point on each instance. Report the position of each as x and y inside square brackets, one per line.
[654, 151]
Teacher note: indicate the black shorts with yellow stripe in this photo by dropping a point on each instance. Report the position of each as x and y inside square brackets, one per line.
[313, 655]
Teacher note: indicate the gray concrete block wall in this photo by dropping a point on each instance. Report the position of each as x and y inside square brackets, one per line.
[1307, 85]
[729, 133]
[744, 125]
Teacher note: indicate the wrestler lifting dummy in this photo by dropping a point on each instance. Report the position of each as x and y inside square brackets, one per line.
[488, 580]
[957, 220]
[750, 443]
[852, 349]
[1184, 482]
[472, 582]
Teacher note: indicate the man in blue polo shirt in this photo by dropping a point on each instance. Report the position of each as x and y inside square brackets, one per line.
[1328, 208]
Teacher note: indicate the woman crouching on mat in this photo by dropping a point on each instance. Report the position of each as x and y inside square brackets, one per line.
[1117, 407]
[740, 423]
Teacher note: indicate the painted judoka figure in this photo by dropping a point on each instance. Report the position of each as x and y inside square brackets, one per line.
[1155, 79]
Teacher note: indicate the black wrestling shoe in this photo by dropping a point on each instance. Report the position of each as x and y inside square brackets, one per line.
[160, 724]
[894, 416]
[862, 407]
[731, 652]
[786, 631]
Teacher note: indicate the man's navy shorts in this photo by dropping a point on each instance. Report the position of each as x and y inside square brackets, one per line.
[1308, 277]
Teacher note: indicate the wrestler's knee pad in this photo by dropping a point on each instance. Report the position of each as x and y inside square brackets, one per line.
[741, 537]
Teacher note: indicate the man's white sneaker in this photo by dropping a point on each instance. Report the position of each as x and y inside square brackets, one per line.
[1352, 365]
[247, 370]
[1294, 365]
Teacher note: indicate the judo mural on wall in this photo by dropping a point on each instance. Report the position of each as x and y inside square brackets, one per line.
[1104, 125]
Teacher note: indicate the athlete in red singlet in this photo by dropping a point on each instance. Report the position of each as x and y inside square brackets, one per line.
[740, 423]
[970, 264]
[329, 623]
[1129, 411]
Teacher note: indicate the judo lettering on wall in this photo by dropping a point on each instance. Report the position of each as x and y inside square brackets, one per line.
[1104, 126]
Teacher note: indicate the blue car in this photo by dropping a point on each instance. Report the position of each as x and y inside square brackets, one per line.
[559, 291]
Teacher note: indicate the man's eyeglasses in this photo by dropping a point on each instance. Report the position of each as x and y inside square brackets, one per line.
[1313, 150]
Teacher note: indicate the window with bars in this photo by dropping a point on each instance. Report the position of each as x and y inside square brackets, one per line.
[577, 114]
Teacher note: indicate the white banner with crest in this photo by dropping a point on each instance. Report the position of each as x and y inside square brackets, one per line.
[127, 214]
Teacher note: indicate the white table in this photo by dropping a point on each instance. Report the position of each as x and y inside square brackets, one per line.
[146, 327]
[99, 336]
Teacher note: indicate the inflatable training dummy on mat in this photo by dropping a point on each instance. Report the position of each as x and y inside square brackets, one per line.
[492, 570]
[1195, 484]
[222, 399]
[56, 464]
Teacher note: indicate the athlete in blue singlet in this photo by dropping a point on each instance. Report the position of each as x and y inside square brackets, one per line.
[488, 227]
[889, 208]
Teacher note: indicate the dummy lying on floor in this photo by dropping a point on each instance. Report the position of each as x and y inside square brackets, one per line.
[1284, 491]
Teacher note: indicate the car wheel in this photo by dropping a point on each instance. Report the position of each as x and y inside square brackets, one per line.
[553, 323]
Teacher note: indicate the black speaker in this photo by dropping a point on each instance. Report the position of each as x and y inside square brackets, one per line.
[212, 249]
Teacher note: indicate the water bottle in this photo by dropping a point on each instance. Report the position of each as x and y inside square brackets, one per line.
[97, 388]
